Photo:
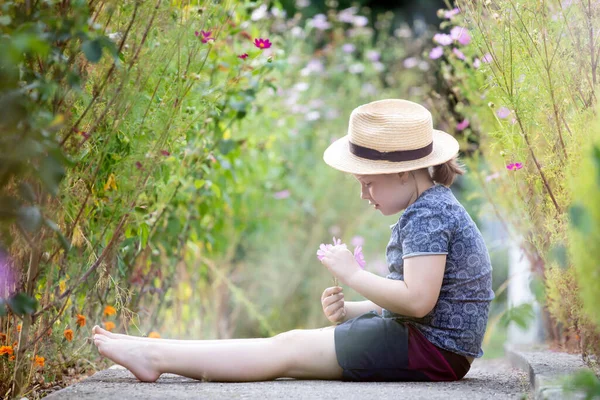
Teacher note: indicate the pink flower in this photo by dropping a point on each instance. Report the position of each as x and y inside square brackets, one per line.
[262, 43]
[514, 167]
[358, 241]
[442, 38]
[503, 112]
[458, 53]
[282, 194]
[461, 35]
[243, 56]
[476, 63]
[451, 13]
[487, 58]
[165, 153]
[462, 125]
[492, 176]
[206, 36]
[436, 52]
[358, 255]
[7, 277]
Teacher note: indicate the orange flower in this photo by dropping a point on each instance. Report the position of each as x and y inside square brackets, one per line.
[153, 335]
[11, 358]
[39, 361]
[109, 310]
[81, 320]
[68, 334]
[6, 350]
[2, 336]
[109, 325]
[19, 328]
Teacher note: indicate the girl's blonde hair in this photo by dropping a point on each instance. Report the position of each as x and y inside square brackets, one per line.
[447, 172]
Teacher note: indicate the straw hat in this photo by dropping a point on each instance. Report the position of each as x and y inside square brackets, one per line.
[387, 136]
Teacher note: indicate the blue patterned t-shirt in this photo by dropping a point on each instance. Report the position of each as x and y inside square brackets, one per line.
[436, 223]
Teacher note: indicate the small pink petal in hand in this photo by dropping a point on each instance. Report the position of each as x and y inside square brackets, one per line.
[360, 258]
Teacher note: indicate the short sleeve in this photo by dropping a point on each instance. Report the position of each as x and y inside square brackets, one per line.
[425, 231]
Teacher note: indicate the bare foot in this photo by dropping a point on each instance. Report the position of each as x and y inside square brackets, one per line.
[100, 331]
[133, 355]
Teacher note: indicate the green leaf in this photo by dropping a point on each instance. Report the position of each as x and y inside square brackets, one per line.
[559, 254]
[92, 50]
[63, 241]
[538, 289]
[144, 235]
[520, 315]
[3, 309]
[580, 218]
[22, 304]
[27, 192]
[29, 218]
[596, 158]
[51, 172]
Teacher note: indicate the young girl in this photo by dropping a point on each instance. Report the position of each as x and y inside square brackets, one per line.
[424, 322]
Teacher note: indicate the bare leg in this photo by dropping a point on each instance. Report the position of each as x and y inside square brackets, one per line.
[97, 330]
[300, 354]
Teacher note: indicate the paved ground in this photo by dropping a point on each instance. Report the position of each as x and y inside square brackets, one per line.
[487, 379]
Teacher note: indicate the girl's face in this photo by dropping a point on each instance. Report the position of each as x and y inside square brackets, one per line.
[388, 193]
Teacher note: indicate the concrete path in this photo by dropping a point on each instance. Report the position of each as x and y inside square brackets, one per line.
[487, 379]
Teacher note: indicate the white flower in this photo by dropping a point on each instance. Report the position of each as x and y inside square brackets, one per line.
[410, 62]
[347, 15]
[360, 20]
[313, 116]
[301, 86]
[297, 32]
[259, 13]
[356, 68]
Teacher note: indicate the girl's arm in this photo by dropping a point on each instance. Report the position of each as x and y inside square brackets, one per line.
[356, 308]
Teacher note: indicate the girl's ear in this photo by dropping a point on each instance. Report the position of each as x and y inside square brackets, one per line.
[403, 176]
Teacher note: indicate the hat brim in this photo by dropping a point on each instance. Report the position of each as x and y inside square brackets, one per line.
[338, 156]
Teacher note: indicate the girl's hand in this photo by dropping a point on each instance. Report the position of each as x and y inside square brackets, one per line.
[332, 301]
[340, 262]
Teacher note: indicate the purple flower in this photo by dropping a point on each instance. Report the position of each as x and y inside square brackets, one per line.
[442, 38]
[462, 125]
[7, 277]
[319, 21]
[487, 58]
[358, 241]
[284, 194]
[436, 52]
[492, 176]
[503, 112]
[461, 35]
[348, 48]
[359, 257]
[458, 53]
[373, 55]
[451, 13]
